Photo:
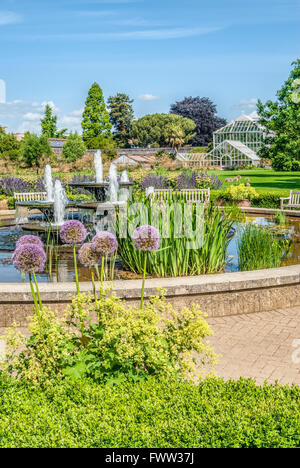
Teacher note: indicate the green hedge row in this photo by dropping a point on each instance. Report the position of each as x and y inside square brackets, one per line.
[152, 414]
[265, 199]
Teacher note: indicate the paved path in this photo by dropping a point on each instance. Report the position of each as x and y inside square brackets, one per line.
[262, 346]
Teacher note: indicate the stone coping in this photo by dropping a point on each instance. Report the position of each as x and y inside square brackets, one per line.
[181, 286]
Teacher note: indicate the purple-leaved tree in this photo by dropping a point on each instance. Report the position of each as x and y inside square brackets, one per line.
[203, 112]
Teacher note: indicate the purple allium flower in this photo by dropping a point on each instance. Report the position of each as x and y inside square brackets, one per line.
[73, 232]
[87, 256]
[105, 243]
[247, 179]
[29, 258]
[29, 240]
[146, 238]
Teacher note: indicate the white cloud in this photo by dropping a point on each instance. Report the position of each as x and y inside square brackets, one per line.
[247, 103]
[144, 34]
[51, 104]
[31, 116]
[148, 97]
[9, 17]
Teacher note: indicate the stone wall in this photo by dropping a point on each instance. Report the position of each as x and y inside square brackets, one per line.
[218, 295]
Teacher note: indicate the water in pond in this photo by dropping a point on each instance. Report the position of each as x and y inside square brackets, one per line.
[64, 270]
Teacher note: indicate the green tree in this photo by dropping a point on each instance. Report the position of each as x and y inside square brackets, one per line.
[121, 116]
[9, 146]
[281, 119]
[175, 136]
[95, 121]
[34, 148]
[74, 148]
[154, 130]
[49, 124]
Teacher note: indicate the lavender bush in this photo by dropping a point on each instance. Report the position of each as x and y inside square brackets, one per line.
[158, 182]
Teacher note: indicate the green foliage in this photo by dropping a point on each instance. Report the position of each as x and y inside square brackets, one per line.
[9, 146]
[95, 122]
[121, 116]
[175, 136]
[283, 118]
[153, 414]
[268, 200]
[49, 124]
[107, 145]
[108, 341]
[74, 148]
[157, 129]
[241, 192]
[260, 248]
[175, 258]
[199, 149]
[34, 148]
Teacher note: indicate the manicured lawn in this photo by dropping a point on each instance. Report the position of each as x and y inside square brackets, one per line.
[265, 180]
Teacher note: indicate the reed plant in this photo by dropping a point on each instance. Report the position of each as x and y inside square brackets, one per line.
[175, 257]
[260, 248]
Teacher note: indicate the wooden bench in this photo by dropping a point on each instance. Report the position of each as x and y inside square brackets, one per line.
[30, 196]
[293, 201]
[188, 195]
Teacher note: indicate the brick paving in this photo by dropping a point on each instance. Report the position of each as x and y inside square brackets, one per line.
[259, 346]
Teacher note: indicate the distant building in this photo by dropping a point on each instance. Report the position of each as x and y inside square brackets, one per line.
[238, 143]
[57, 145]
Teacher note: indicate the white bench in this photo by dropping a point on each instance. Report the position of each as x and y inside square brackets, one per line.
[30, 196]
[188, 195]
[293, 201]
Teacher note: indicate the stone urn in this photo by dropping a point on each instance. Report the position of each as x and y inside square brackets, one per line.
[3, 204]
[244, 203]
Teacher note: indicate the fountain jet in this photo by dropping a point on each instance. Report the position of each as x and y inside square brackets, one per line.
[113, 184]
[48, 181]
[98, 167]
[60, 202]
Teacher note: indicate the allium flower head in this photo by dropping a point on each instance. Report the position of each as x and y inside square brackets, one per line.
[105, 243]
[247, 179]
[29, 240]
[29, 258]
[87, 256]
[146, 238]
[73, 232]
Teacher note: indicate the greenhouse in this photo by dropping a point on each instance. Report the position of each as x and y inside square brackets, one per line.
[237, 143]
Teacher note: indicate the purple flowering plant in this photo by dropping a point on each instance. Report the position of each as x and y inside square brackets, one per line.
[147, 239]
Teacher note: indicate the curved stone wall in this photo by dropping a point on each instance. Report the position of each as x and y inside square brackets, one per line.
[218, 295]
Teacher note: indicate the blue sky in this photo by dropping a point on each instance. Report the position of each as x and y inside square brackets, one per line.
[157, 51]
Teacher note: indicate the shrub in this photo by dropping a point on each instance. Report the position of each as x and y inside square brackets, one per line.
[156, 181]
[74, 148]
[122, 343]
[268, 200]
[241, 192]
[153, 414]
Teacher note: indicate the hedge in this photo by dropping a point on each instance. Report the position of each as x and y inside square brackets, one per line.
[151, 414]
[265, 199]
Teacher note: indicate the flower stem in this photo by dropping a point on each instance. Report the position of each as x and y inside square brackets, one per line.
[37, 307]
[101, 278]
[76, 270]
[78, 290]
[144, 278]
[38, 291]
[94, 288]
